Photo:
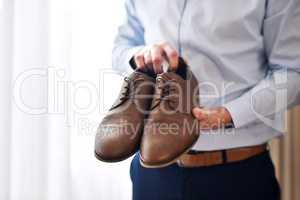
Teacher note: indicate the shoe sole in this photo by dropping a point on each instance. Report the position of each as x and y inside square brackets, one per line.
[99, 157]
[168, 163]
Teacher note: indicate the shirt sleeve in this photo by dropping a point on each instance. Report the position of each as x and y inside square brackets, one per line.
[280, 89]
[129, 40]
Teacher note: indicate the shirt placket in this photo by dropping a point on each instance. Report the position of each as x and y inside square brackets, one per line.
[180, 26]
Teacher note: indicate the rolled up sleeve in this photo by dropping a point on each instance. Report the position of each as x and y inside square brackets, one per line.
[280, 89]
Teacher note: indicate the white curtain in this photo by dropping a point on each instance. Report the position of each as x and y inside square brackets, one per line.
[56, 83]
[285, 153]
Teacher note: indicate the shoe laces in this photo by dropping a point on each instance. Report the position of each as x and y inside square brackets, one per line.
[165, 92]
[130, 88]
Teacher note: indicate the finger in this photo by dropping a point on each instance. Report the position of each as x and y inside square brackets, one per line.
[204, 125]
[210, 121]
[200, 113]
[197, 112]
[148, 61]
[172, 56]
[139, 60]
[157, 56]
[148, 58]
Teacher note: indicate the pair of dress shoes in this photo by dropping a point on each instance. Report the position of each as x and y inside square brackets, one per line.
[153, 115]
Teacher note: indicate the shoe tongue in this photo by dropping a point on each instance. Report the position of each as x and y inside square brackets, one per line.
[147, 72]
[181, 69]
[138, 73]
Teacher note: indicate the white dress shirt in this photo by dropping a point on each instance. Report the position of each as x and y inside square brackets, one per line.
[245, 55]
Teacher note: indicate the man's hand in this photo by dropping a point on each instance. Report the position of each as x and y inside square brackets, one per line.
[212, 118]
[153, 56]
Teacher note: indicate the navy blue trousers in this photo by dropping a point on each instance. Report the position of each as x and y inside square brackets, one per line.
[251, 179]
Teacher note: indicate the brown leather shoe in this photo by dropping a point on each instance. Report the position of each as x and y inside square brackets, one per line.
[119, 134]
[171, 129]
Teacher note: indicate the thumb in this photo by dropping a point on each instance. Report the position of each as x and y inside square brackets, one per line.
[199, 113]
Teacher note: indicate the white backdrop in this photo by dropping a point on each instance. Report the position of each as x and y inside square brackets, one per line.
[56, 83]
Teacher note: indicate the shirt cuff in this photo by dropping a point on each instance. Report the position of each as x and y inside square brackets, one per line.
[241, 111]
